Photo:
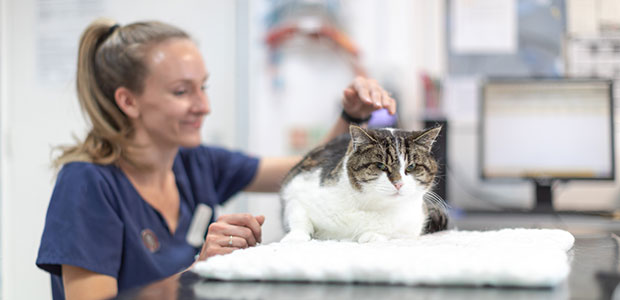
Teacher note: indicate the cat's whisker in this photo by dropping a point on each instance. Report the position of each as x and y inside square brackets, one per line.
[434, 197]
[435, 200]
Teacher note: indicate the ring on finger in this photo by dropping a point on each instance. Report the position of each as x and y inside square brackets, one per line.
[230, 243]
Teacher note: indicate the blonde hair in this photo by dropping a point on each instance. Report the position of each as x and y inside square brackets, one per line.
[111, 56]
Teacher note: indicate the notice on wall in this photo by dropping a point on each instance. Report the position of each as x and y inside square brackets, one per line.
[483, 26]
[460, 99]
[58, 29]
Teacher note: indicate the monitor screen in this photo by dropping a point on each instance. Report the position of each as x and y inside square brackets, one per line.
[547, 128]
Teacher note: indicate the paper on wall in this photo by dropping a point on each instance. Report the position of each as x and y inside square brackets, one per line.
[460, 99]
[58, 28]
[483, 26]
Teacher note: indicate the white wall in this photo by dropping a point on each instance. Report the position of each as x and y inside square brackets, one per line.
[3, 118]
[38, 114]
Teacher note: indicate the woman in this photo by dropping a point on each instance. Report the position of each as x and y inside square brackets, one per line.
[125, 197]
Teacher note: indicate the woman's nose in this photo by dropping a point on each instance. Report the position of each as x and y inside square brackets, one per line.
[202, 105]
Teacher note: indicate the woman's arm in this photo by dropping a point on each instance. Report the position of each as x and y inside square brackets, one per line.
[271, 172]
[84, 284]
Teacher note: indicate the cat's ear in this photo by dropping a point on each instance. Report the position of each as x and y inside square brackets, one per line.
[359, 136]
[428, 137]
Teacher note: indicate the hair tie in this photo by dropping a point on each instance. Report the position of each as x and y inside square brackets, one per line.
[112, 29]
[105, 36]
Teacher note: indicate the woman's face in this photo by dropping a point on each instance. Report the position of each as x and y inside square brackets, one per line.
[174, 102]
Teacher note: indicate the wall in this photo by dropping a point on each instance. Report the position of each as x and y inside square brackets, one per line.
[3, 173]
[40, 112]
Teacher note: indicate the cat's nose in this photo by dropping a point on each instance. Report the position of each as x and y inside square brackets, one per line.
[398, 184]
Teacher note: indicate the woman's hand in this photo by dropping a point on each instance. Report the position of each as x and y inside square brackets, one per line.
[365, 95]
[232, 232]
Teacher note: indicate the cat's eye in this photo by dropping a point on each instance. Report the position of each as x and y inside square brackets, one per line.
[381, 166]
[409, 168]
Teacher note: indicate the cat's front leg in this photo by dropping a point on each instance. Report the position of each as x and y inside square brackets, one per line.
[369, 237]
[300, 226]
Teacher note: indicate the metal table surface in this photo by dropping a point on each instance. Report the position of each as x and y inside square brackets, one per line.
[595, 269]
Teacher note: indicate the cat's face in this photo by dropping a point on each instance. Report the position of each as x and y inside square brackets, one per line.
[391, 162]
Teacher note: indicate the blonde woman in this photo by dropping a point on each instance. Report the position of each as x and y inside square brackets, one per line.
[125, 196]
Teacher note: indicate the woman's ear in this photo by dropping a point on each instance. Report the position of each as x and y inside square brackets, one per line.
[126, 101]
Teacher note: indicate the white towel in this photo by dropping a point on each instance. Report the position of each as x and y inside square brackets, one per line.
[507, 257]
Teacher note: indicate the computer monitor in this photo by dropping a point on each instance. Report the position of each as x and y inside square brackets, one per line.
[546, 130]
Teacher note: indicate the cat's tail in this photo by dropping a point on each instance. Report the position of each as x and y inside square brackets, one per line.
[436, 211]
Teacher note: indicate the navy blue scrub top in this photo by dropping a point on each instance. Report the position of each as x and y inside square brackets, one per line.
[96, 219]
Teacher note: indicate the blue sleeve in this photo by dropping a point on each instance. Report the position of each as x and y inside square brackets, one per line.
[82, 227]
[232, 171]
[229, 171]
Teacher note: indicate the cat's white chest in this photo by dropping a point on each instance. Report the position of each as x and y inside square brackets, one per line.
[339, 212]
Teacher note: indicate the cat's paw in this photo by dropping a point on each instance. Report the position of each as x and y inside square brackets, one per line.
[296, 237]
[371, 237]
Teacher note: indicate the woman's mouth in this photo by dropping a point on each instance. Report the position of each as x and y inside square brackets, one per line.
[193, 124]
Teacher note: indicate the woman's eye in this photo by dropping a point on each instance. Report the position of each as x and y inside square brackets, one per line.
[179, 92]
[381, 166]
[410, 168]
[204, 87]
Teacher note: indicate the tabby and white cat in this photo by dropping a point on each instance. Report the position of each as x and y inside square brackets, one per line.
[371, 185]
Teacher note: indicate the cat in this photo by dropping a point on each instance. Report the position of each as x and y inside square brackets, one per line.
[366, 186]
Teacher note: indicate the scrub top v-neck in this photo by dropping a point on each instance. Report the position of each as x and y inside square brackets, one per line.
[98, 221]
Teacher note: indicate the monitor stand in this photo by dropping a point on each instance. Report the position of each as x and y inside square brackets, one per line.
[544, 196]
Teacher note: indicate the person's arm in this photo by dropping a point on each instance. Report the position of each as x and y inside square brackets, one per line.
[271, 171]
[80, 283]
